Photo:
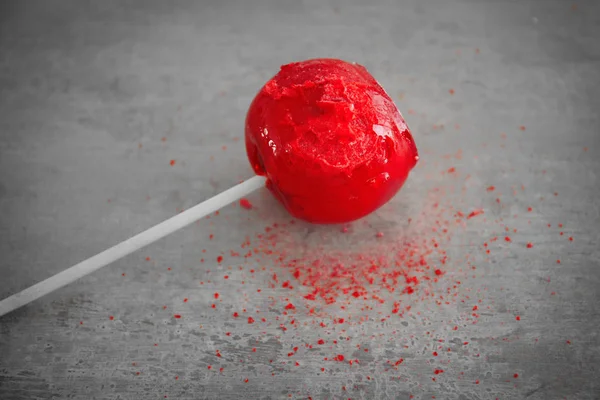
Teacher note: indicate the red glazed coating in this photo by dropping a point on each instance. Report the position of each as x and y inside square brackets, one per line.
[330, 141]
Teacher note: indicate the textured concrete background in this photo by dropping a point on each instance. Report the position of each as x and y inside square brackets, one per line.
[96, 99]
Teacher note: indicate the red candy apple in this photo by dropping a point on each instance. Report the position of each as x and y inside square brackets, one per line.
[330, 141]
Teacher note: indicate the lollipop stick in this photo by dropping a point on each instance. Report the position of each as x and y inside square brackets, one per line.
[130, 245]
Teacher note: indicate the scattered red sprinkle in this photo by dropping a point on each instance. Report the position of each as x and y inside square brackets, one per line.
[245, 203]
[507, 239]
[529, 245]
[321, 341]
[491, 188]
[177, 316]
[515, 376]
[220, 259]
[438, 371]
[518, 318]
[216, 295]
[250, 320]
[475, 213]
[172, 162]
[111, 318]
[340, 357]
[522, 128]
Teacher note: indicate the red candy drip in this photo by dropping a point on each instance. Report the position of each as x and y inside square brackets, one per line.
[330, 141]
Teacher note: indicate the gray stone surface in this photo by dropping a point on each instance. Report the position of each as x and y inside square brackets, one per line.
[88, 91]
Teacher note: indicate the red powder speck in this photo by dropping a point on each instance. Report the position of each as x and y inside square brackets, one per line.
[111, 318]
[147, 258]
[515, 376]
[379, 234]
[522, 127]
[475, 213]
[451, 170]
[340, 357]
[185, 300]
[558, 261]
[400, 361]
[438, 371]
[529, 209]
[438, 272]
[507, 239]
[176, 378]
[529, 245]
[290, 306]
[246, 380]
[518, 318]
[321, 341]
[226, 277]
[435, 354]
[235, 315]
[477, 382]
[250, 320]
[568, 342]
[451, 91]
[571, 238]
[220, 259]
[209, 367]
[475, 308]
[178, 316]
[216, 295]
[491, 188]
[172, 162]
[245, 203]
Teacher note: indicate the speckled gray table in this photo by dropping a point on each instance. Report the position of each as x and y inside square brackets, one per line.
[97, 98]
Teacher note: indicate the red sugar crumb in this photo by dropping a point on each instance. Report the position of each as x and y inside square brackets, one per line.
[451, 170]
[220, 259]
[491, 188]
[522, 127]
[451, 91]
[111, 318]
[529, 245]
[321, 341]
[290, 306]
[438, 371]
[216, 295]
[245, 203]
[518, 318]
[515, 376]
[172, 162]
[177, 316]
[507, 239]
[339, 357]
[250, 320]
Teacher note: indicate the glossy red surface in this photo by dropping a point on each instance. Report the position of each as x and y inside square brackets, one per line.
[330, 141]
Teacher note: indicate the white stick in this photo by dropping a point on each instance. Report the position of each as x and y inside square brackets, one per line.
[130, 245]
